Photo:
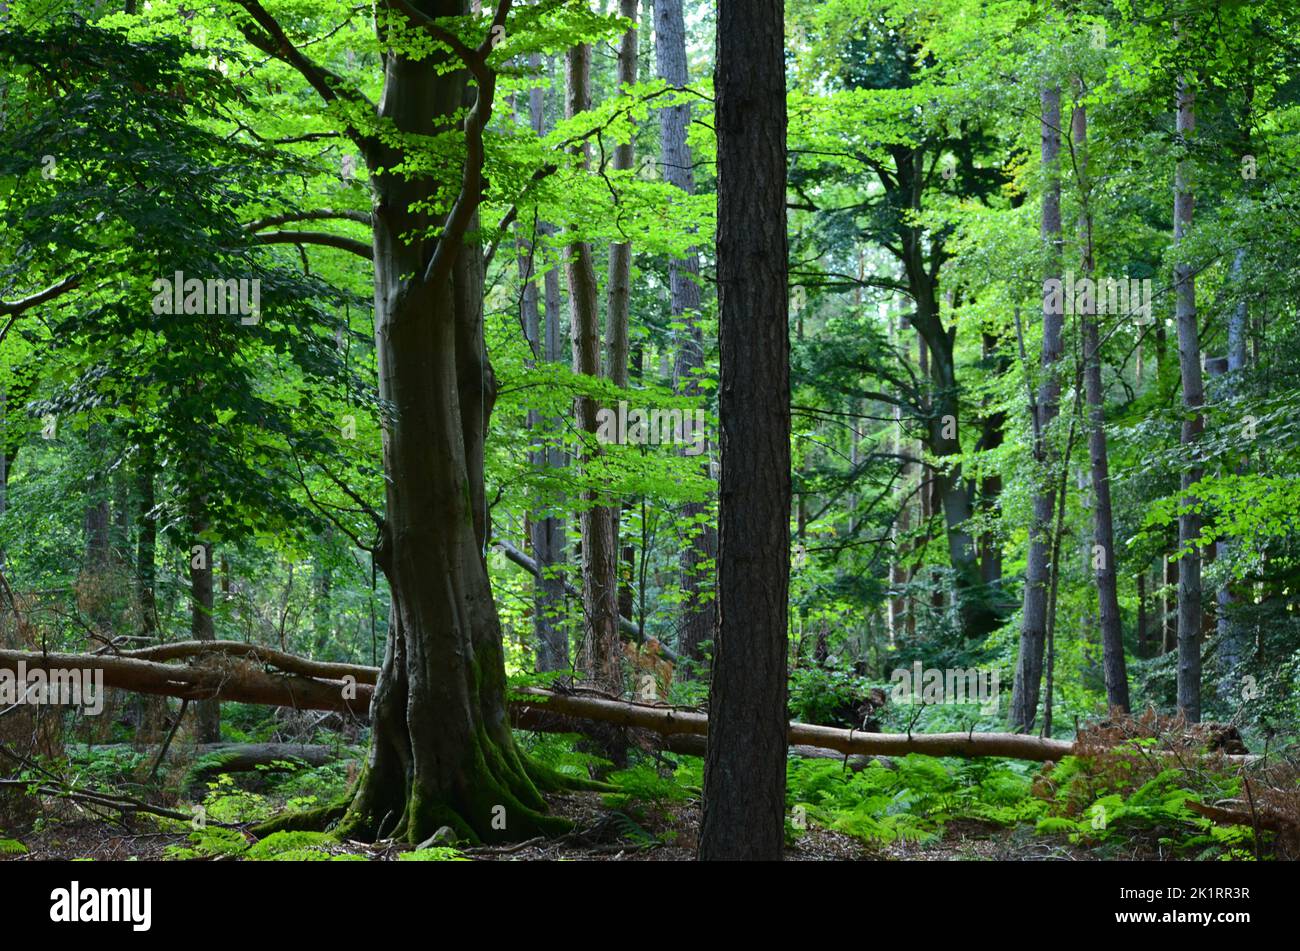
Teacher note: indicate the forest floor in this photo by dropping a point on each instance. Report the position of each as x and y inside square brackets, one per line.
[648, 832]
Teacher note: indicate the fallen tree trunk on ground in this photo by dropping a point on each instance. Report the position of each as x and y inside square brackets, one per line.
[243, 677]
[212, 759]
[671, 722]
[241, 757]
[289, 663]
[222, 678]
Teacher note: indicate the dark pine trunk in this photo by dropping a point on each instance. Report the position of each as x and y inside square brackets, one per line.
[744, 773]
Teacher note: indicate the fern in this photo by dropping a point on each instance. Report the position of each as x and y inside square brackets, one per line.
[278, 843]
[558, 752]
[209, 841]
[436, 854]
[643, 782]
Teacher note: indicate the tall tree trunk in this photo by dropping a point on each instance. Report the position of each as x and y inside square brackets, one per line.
[1190, 612]
[618, 302]
[1231, 646]
[542, 318]
[950, 492]
[146, 552]
[207, 713]
[899, 603]
[1033, 624]
[991, 484]
[322, 584]
[744, 772]
[1143, 650]
[700, 549]
[94, 594]
[441, 752]
[619, 287]
[1103, 557]
[601, 649]
[1169, 606]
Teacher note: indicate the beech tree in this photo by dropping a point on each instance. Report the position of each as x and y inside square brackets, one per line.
[697, 557]
[1039, 566]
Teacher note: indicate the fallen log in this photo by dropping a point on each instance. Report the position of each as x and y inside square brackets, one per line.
[238, 682]
[217, 758]
[691, 745]
[238, 679]
[533, 718]
[670, 722]
[211, 759]
[289, 663]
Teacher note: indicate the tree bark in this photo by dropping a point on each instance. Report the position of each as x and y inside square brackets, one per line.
[700, 548]
[146, 552]
[207, 713]
[1169, 606]
[921, 260]
[1143, 650]
[1033, 624]
[1230, 629]
[546, 530]
[744, 773]
[1114, 671]
[94, 594]
[993, 425]
[600, 648]
[442, 752]
[1189, 363]
[618, 302]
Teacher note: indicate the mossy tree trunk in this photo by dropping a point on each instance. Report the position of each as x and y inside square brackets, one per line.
[442, 752]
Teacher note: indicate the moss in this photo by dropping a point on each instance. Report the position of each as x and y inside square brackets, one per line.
[495, 801]
[289, 841]
[552, 780]
[494, 786]
[303, 820]
[439, 854]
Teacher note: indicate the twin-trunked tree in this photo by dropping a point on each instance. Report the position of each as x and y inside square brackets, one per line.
[442, 752]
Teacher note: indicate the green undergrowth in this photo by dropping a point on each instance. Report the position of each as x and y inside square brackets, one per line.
[910, 802]
[288, 846]
[1105, 805]
[1116, 805]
